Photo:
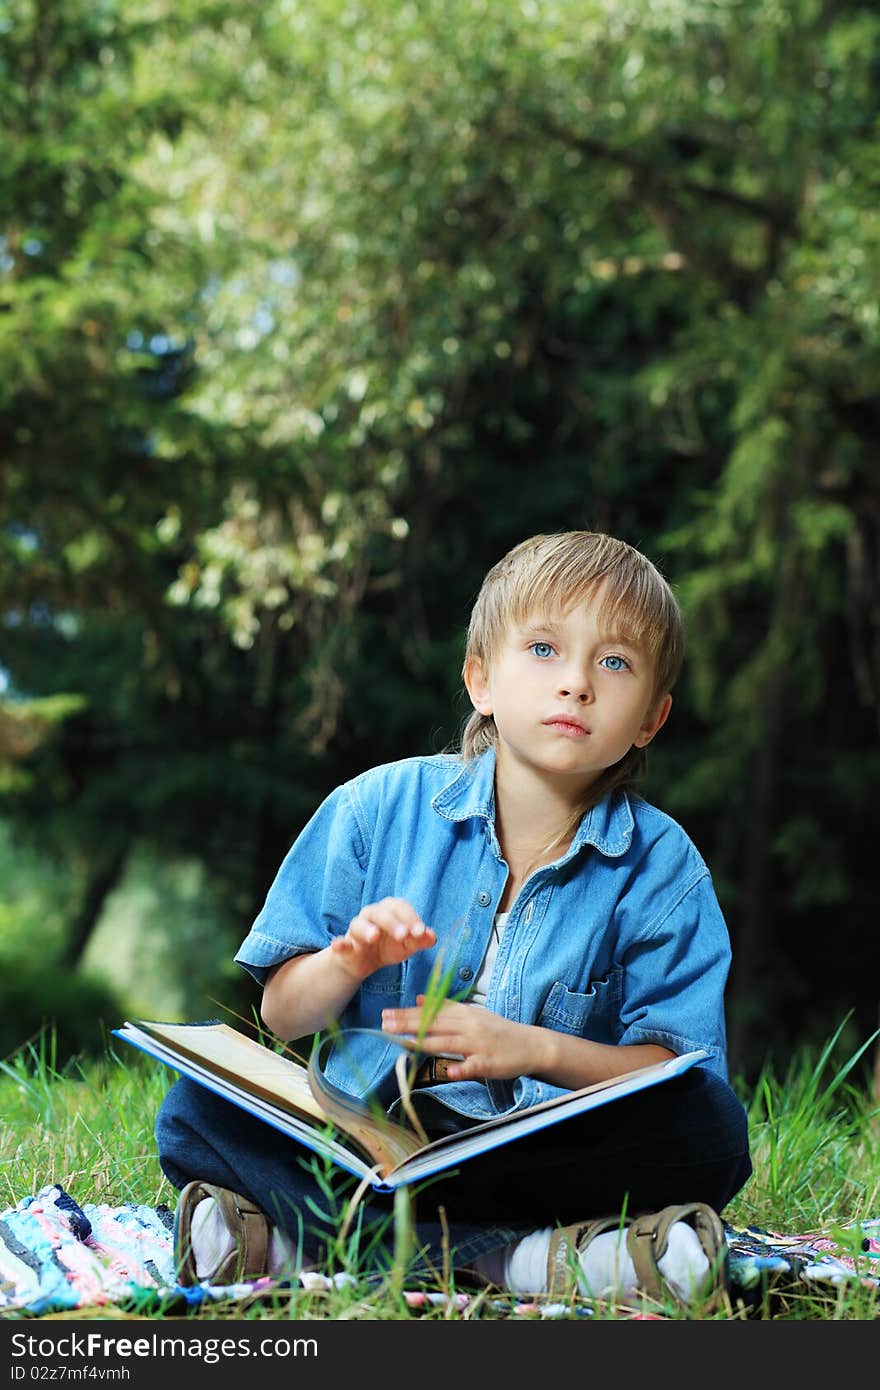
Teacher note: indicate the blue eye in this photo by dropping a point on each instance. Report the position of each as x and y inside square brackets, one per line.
[613, 663]
[542, 650]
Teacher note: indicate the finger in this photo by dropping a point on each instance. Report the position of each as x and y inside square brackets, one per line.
[446, 1007]
[439, 1022]
[361, 929]
[410, 1023]
[442, 1043]
[473, 1068]
[421, 935]
[401, 1020]
[396, 917]
[396, 912]
[399, 908]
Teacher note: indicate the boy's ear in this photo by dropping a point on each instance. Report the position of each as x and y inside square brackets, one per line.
[477, 686]
[654, 721]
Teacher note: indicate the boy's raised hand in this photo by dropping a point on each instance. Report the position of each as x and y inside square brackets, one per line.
[383, 933]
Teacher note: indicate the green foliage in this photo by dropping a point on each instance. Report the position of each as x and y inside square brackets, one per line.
[163, 942]
[32, 912]
[811, 1127]
[38, 1005]
[310, 312]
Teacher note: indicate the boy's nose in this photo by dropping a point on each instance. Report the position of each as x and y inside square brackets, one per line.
[578, 688]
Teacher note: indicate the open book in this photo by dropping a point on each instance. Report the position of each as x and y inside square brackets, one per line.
[300, 1101]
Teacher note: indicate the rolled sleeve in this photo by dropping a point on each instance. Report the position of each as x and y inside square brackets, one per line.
[317, 891]
[675, 975]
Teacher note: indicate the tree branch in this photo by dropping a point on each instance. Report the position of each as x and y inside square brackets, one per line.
[779, 214]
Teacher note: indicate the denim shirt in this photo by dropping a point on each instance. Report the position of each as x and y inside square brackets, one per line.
[620, 940]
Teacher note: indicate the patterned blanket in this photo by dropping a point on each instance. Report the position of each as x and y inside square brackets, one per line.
[57, 1256]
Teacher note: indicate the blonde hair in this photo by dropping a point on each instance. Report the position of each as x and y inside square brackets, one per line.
[550, 574]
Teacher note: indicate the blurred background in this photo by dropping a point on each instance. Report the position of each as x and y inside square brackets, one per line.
[309, 310]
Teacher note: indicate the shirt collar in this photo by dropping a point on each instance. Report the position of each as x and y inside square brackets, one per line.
[471, 792]
[608, 825]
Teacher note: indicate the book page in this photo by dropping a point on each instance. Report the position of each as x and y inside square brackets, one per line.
[254, 1068]
[233, 1054]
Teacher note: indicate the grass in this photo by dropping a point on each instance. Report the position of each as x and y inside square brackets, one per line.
[815, 1136]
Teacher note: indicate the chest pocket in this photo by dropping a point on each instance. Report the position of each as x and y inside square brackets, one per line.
[594, 1015]
[387, 981]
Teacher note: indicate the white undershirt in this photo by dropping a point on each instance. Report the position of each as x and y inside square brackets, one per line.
[481, 984]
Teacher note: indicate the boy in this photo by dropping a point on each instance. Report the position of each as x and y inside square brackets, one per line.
[580, 926]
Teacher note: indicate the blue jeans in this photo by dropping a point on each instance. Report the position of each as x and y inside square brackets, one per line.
[684, 1141]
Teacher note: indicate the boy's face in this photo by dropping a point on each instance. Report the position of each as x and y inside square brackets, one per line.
[569, 697]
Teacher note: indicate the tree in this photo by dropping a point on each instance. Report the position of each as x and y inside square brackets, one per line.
[447, 274]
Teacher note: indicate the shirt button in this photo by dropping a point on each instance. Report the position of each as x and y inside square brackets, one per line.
[483, 899]
[465, 972]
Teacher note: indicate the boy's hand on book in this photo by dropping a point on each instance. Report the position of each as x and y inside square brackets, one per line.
[490, 1045]
[383, 933]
